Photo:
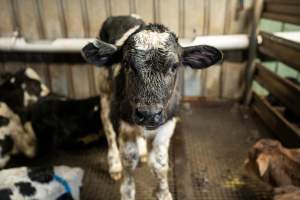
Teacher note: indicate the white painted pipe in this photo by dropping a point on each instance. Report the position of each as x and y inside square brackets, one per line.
[223, 42]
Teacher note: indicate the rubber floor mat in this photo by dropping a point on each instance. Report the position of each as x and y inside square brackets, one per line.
[206, 159]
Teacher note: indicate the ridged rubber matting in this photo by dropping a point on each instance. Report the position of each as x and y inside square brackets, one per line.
[207, 154]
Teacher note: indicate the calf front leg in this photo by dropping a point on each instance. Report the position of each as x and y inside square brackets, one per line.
[159, 159]
[114, 161]
[130, 158]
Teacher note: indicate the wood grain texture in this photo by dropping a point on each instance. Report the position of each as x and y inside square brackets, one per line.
[27, 11]
[96, 10]
[6, 18]
[120, 7]
[169, 14]
[145, 9]
[193, 18]
[80, 81]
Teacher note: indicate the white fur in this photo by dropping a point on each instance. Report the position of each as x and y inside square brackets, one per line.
[148, 39]
[30, 73]
[135, 16]
[45, 91]
[121, 41]
[28, 99]
[49, 191]
[23, 137]
[13, 80]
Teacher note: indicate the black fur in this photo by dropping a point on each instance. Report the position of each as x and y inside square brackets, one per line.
[5, 194]
[61, 123]
[4, 121]
[108, 31]
[41, 174]
[6, 144]
[65, 196]
[12, 93]
[26, 188]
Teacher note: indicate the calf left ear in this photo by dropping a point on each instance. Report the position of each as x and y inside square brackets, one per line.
[100, 53]
[201, 56]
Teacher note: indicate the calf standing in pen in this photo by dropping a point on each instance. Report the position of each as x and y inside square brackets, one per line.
[145, 93]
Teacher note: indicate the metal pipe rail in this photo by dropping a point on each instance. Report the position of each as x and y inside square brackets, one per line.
[74, 45]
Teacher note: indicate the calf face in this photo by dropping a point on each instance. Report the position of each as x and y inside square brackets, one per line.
[150, 59]
[22, 89]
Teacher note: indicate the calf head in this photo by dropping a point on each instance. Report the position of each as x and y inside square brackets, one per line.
[150, 60]
[13, 137]
[274, 163]
[22, 88]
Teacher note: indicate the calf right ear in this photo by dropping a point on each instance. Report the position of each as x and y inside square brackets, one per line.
[100, 53]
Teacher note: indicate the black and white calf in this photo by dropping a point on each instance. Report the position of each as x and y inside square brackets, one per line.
[21, 89]
[14, 137]
[145, 93]
[43, 183]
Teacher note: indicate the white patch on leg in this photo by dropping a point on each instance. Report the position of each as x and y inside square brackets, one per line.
[4, 160]
[142, 147]
[121, 41]
[159, 158]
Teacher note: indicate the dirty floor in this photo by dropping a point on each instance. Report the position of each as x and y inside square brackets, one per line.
[206, 158]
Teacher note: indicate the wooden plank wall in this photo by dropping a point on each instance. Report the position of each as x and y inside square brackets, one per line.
[50, 19]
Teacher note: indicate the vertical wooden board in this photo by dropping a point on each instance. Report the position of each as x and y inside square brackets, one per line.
[81, 82]
[233, 76]
[28, 18]
[237, 17]
[6, 19]
[212, 84]
[120, 7]
[13, 67]
[59, 83]
[192, 82]
[145, 10]
[96, 14]
[215, 27]
[51, 21]
[217, 13]
[73, 17]
[169, 14]
[194, 18]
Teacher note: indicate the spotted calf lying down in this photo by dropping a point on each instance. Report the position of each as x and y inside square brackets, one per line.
[50, 183]
[21, 89]
[14, 137]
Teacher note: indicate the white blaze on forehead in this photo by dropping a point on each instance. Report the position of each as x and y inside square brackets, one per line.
[148, 39]
[121, 41]
[30, 73]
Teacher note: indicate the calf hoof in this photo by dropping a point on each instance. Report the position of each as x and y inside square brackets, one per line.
[116, 175]
[164, 196]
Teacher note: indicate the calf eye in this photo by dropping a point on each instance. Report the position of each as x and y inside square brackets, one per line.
[174, 67]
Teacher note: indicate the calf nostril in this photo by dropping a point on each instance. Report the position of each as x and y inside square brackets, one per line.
[139, 115]
[157, 117]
